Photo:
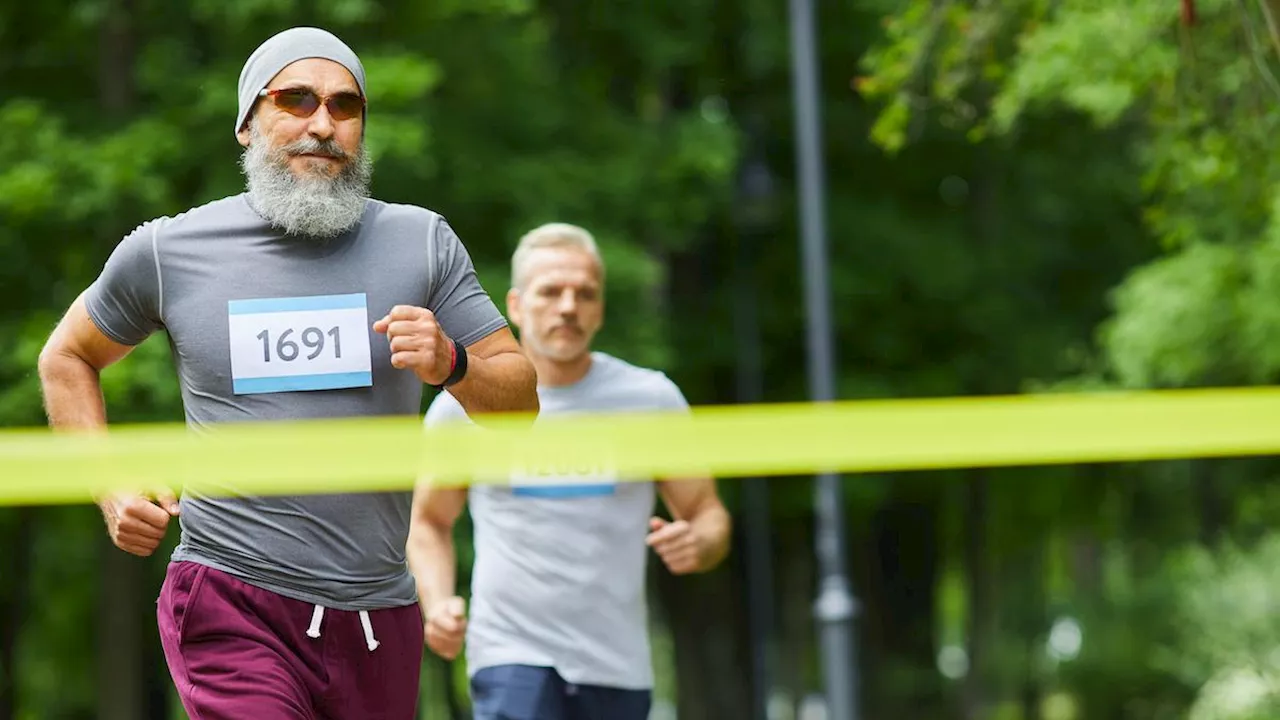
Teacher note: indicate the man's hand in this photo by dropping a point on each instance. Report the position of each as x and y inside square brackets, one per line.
[677, 545]
[137, 523]
[447, 627]
[418, 343]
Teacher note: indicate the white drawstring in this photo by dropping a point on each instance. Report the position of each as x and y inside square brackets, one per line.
[368, 631]
[314, 630]
[318, 614]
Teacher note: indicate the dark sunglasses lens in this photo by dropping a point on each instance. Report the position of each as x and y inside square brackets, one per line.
[345, 106]
[297, 102]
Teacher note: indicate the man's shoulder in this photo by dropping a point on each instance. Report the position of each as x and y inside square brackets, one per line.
[417, 225]
[384, 212]
[222, 214]
[197, 218]
[618, 367]
[637, 377]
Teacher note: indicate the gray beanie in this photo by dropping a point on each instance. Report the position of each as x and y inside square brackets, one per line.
[285, 48]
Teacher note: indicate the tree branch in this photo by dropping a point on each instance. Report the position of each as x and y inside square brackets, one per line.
[1271, 23]
[1269, 78]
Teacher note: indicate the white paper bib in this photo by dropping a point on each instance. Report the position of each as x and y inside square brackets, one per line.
[319, 342]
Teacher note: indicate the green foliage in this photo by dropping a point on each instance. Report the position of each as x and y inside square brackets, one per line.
[1196, 113]
[1188, 115]
[1178, 319]
[497, 114]
[1038, 152]
[1094, 58]
[1228, 631]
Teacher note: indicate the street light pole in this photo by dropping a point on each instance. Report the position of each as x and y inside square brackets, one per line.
[755, 197]
[835, 606]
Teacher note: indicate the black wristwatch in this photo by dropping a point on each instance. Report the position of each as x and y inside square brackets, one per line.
[459, 366]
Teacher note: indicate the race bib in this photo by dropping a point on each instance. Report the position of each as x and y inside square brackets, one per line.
[320, 342]
[558, 482]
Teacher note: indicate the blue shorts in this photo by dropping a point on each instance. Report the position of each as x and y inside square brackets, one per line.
[522, 692]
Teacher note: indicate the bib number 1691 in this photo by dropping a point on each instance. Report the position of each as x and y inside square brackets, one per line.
[296, 344]
[312, 338]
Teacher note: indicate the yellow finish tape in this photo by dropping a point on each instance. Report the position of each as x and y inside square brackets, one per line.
[377, 454]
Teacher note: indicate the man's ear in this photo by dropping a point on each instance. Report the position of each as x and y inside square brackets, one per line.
[244, 134]
[513, 306]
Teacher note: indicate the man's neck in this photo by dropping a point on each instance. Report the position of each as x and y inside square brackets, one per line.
[553, 373]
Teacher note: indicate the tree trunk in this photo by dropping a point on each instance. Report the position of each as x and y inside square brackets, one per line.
[116, 92]
[797, 576]
[1034, 629]
[709, 627]
[1210, 504]
[906, 542]
[124, 680]
[121, 677]
[979, 623]
[156, 680]
[13, 606]
[1085, 548]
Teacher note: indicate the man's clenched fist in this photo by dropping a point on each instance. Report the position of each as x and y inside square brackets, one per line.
[418, 343]
[677, 545]
[137, 523]
[447, 627]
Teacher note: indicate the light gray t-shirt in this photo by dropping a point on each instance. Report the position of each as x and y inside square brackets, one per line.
[264, 326]
[559, 576]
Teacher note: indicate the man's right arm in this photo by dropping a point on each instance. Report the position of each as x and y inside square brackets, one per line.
[70, 366]
[115, 314]
[70, 363]
[433, 561]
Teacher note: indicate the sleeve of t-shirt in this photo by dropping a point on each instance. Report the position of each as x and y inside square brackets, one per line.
[124, 300]
[461, 306]
[445, 409]
[669, 396]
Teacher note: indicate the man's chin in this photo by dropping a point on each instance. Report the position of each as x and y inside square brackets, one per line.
[568, 353]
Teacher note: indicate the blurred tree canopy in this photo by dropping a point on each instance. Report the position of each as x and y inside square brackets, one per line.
[1024, 195]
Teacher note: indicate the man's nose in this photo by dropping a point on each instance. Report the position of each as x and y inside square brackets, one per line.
[568, 302]
[321, 125]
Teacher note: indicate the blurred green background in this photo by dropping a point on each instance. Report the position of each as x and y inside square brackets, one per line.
[1046, 195]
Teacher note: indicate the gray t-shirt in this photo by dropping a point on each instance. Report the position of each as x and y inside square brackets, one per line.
[559, 576]
[264, 326]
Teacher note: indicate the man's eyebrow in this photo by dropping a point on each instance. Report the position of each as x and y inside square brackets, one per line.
[300, 85]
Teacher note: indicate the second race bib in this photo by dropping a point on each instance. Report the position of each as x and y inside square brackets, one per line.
[563, 482]
[318, 342]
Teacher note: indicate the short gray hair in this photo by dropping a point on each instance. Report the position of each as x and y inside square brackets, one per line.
[553, 235]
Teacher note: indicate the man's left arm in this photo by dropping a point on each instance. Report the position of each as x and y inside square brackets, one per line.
[697, 539]
[499, 377]
[460, 331]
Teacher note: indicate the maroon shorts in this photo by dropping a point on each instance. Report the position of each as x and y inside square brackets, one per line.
[237, 651]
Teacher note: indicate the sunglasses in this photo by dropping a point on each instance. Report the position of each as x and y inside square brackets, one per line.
[303, 102]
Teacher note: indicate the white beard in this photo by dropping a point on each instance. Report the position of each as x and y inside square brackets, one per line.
[312, 205]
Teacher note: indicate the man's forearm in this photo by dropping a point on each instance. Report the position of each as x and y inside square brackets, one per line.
[432, 561]
[712, 528]
[505, 382]
[72, 392]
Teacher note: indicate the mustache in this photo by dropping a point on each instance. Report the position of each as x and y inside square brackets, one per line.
[312, 146]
